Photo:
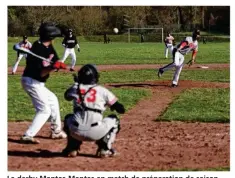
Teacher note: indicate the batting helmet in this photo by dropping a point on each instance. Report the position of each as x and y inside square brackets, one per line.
[88, 74]
[48, 31]
[196, 34]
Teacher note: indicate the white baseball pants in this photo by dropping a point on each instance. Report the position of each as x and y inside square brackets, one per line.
[170, 47]
[46, 105]
[178, 63]
[71, 52]
[19, 57]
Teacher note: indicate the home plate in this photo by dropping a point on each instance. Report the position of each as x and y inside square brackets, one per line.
[203, 67]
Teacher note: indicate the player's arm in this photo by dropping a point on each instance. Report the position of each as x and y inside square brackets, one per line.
[71, 93]
[76, 43]
[112, 102]
[63, 42]
[182, 45]
[194, 54]
[118, 107]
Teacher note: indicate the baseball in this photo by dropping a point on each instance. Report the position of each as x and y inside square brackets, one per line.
[115, 30]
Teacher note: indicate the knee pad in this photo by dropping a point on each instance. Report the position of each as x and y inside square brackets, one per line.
[114, 116]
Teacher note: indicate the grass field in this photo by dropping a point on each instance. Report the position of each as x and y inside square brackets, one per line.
[191, 105]
[133, 53]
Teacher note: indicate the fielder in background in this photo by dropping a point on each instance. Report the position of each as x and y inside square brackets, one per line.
[187, 45]
[69, 42]
[33, 81]
[87, 123]
[25, 44]
[168, 44]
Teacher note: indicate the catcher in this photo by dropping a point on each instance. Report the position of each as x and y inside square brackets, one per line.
[187, 45]
[87, 122]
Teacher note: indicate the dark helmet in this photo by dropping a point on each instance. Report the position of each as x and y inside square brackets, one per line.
[25, 37]
[48, 31]
[196, 34]
[88, 74]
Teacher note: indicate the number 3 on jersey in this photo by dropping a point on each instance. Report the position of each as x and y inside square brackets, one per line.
[92, 95]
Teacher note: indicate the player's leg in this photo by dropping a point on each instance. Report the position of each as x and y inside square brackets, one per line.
[55, 118]
[18, 59]
[111, 126]
[37, 92]
[179, 66]
[66, 54]
[73, 62]
[170, 65]
[166, 51]
[73, 145]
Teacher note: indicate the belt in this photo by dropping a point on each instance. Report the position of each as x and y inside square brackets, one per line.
[94, 124]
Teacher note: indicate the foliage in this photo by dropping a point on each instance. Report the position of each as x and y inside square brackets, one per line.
[94, 20]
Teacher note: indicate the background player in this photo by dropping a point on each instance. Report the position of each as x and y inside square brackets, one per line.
[25, 44]
[69, 42]
[168, 44]
[87, 123]
[33, 81]
[187, 45]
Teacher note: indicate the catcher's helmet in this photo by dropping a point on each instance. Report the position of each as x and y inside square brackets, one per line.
[48, 31]
[88, 74]
[196, 34]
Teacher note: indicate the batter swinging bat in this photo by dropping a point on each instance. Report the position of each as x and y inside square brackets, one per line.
[27, 51]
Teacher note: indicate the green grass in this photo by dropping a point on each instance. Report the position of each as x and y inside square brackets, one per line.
[21, 108]
[132, 53]
[151, 75]
[202, 105]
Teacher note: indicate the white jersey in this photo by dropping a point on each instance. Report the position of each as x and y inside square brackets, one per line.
[26, 45]
[191, 45]
[169, 39]
[98, 97]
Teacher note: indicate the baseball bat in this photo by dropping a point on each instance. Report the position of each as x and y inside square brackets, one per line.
[18, 48]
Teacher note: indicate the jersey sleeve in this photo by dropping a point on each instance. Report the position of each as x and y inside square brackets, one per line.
[55, 57]
[109, 97]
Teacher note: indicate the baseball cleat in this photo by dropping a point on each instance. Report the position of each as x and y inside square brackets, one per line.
[174, 85]
[59, 135]
[13, 73]
[160, 72]
[107, 153]
[71, 70]
[29, 140]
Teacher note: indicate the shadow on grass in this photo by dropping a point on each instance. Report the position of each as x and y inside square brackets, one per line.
[138, 85]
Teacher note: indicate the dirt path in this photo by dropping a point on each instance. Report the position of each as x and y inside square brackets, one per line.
[140, 66]
[143, 143]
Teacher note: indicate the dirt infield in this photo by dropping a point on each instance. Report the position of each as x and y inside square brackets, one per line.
[144, 144]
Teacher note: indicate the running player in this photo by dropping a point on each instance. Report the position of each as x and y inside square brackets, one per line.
[187, 45]
[69, 42]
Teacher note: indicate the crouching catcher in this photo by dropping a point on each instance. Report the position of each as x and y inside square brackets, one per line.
[90, 100]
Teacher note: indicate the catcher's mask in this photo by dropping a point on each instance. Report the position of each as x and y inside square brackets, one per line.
[196, 34]
[88, 74]
[48, 31]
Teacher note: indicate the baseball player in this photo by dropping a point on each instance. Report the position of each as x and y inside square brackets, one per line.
[87, 122]
[187, 45]
[33, 81]
[25, 44]
[168, 44]
[69, 43]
